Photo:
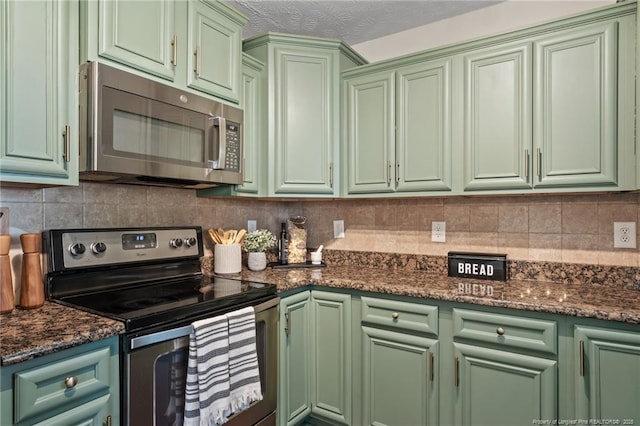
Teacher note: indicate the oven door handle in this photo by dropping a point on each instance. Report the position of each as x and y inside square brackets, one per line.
[175, 333]
[161, 336]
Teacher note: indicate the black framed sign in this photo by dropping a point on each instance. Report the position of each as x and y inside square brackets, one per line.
[482, 266]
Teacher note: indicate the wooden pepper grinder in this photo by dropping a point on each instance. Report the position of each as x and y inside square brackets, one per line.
[32, 286]
[6, 280]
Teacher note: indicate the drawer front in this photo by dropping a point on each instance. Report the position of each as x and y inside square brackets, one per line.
[44, 388]
[400, 315]
[506, 330]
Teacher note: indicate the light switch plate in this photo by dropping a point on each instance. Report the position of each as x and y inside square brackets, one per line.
[438, 232]
[338, 229]
[251, 225]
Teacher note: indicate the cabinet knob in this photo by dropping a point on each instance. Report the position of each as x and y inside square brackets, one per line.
[500, 331]
[395, 315]
[70, 382]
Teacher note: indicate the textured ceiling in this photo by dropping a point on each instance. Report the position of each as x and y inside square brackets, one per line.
[352, 21]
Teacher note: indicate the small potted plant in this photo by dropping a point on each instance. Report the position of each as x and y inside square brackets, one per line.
[256, 243]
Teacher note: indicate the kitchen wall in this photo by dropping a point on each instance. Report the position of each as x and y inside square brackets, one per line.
[501, 17]
[555, 228]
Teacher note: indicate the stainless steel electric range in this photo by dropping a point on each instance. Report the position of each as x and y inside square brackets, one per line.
[151, 280]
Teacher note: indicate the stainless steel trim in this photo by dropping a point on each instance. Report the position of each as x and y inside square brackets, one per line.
[219, 163]
[162, 336]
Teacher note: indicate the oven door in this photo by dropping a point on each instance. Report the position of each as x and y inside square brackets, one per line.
[155, 370]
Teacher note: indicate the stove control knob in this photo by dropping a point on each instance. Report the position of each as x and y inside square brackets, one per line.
[77, 249]
[175, 243]
[191, 241]
[98, 248]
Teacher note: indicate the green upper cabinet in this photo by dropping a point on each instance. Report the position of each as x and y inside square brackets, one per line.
[552, 111]
[575, 107]
[607, 374]
[398, 129]
[195, 43]
[38, 112]
[303, 111]
[497, 117]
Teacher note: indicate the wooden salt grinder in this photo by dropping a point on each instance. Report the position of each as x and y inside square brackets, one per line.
[32, 286]
[6, 280]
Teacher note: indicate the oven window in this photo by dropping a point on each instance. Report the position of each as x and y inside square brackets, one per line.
[170, 377]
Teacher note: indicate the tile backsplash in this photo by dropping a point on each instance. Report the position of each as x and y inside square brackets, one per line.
[539, 228]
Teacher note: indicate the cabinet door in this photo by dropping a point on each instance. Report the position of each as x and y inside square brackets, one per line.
[608, 376]
[501, 388]
[305, 120]
[140, 34]
[575, 133]
[331, 356]
[92, 413]
[254, 134]
[399, 378]
[214, 50]
[294, 399]
[423, 111]
[497, 118]
[38, 71]
[370, 133]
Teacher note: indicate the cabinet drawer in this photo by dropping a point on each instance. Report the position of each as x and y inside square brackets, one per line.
[43, 388]
[400, 315]
[506, 330]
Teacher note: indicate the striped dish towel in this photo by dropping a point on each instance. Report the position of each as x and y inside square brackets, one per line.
[244, 375]
[207, 389]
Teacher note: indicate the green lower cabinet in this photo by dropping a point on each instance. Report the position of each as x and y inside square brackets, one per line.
[608, 374]
[331, 356]
[399, 378]
[494, 387]
[76, 386]
[294, 392]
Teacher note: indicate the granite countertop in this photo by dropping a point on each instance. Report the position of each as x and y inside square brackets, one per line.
[606, 302]
[27, 334]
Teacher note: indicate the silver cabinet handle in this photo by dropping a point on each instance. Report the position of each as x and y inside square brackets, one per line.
[66, 137]
[174, 50]
[395, 315]
[456, 373]
[431, 362]
[539, 165]
[287, 326]
[581, 358]
[107, 421]
[526, 164]
[331, 175]
[388, 172]
[500, 331]
[70, 382]
[397, 173]
[198, 59]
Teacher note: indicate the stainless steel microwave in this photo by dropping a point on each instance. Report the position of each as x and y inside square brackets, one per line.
[136, 130]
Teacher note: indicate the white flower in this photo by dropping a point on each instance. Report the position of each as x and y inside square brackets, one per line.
[259, 240]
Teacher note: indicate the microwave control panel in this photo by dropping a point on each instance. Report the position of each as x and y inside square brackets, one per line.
[232, 157]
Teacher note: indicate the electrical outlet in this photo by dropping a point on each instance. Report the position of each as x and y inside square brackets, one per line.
[624, 234]
[338, 229]
[438, 232]
[251, 225]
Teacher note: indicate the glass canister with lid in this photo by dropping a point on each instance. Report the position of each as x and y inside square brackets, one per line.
[297, 244]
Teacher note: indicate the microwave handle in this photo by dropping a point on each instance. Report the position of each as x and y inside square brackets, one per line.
[219, 163]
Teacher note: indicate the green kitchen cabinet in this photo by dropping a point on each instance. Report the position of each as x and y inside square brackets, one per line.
[400, 363]
[398, 129]
[303, 93]
[294, 391]
[315, 357]
[331, 356]
[607, 374]
[497, 117]
[76, 386]
[555, 107]
[505, 368]
[38, 113]
[194, 44]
